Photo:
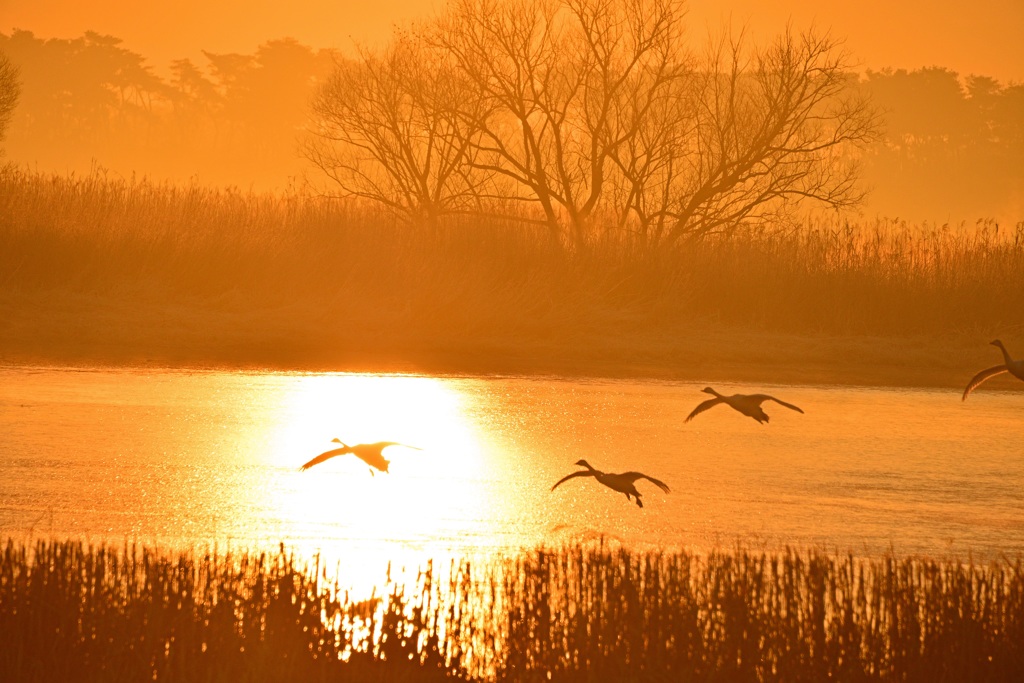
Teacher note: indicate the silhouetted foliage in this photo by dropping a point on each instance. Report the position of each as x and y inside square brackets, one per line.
[89, 88]
[626, 125]
[951, 143]
[89, 100]
[10, 88]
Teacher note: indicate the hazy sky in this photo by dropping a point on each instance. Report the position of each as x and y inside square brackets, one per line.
[906, 33]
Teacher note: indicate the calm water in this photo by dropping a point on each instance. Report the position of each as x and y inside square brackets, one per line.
[198, 459]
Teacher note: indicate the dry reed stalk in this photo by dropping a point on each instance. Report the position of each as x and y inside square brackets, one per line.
[281, 278]
[70, 611]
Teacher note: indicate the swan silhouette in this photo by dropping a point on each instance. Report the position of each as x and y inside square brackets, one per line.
[748, 404]
[1014, 367]
[370, 453]
[623, 483]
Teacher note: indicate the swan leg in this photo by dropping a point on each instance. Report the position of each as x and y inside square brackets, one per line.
[639, 503]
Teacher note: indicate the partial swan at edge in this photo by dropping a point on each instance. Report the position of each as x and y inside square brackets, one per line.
[1014, 367]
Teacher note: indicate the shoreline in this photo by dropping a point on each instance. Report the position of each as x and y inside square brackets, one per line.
[733, 356]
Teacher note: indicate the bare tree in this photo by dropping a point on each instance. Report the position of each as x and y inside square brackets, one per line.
[10, 90]
[593, 112]
[386, 128]
[657, 115]
[767, 132]
[556, 75]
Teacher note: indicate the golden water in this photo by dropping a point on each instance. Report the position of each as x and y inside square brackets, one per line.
[183, 459]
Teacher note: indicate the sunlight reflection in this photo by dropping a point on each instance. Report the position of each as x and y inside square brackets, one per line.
[187, 460]
[424, 500]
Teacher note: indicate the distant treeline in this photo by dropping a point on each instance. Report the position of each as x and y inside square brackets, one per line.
[951, 145]
[231, 120]
[76, 612]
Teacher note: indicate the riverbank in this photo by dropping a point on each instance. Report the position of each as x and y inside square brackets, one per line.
[110, 272]
[86, 331]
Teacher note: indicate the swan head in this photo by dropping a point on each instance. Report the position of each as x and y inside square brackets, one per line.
[996, 342]
[583, 463]
[709, 390]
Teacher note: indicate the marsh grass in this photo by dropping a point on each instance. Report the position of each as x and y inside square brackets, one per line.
[75, 612]
[119, 269]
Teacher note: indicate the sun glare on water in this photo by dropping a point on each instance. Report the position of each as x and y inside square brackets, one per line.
[343, 501]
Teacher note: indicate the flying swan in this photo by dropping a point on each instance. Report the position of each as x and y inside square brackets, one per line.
[623, 483]
[1014, 367]
[748, 404]
[370, 453]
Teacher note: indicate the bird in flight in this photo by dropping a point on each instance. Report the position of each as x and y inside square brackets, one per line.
[1014, 367]
[370, 453]
[623, 483]
[748, 404]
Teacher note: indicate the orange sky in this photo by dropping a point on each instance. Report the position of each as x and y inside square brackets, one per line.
[905, 33]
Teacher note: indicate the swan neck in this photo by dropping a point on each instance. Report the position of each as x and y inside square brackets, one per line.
[1006, 354]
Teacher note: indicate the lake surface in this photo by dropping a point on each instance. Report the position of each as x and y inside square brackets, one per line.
[204, 459]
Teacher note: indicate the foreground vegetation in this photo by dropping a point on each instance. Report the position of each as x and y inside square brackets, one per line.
[73, 612]
[96, 269]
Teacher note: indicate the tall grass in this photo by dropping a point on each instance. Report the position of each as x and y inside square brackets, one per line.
[223, 275]
[72, 612]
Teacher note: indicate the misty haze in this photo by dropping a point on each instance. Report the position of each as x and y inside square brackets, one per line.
[523, 340]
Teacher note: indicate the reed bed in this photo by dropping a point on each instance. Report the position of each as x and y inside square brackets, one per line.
[221, 275]
[76, 612]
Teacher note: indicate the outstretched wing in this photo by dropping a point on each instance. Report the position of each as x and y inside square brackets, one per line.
[982, 376]
[702, 407]
[325, 456]
[581, 473]
[633, 476]
[766, 397]
[405, 445]
[381, 445]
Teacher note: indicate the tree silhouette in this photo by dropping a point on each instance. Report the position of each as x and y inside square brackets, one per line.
[771, 129]
[81, 95]
[583, 115]
[262, 100]
[950, 145]
[596, 113]
[568, 86]
[400, 128]
[89, 101]
[9, 91]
